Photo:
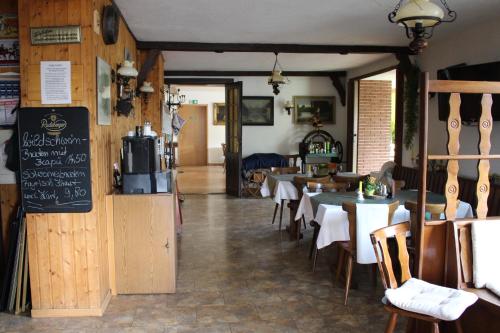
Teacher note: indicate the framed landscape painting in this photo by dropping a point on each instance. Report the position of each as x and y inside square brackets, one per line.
[257, 111]
[219, 114]
[305, 107]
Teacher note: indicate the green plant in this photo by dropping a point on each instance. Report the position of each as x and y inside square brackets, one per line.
[370, 184]
[411, 105]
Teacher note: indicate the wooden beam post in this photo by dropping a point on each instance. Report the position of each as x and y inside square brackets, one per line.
[340, 86]
[147, 66]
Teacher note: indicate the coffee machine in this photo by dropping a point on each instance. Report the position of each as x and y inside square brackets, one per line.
[141, 156]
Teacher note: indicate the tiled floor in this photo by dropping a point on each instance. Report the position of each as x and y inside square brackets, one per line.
[234, 276]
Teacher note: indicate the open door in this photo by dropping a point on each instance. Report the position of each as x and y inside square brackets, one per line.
[233, 138]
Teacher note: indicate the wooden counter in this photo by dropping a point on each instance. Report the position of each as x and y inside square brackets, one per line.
[143, 244]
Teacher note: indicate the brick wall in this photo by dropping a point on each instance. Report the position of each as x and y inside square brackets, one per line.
[374, 125]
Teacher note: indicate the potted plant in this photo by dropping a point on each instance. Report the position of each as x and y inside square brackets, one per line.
[370, 185]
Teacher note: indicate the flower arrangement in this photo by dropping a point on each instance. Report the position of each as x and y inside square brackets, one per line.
[370, 185]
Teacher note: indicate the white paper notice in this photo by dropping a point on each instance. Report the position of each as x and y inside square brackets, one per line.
[56, 82]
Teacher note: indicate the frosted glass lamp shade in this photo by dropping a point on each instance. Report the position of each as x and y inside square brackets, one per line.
[147, 88]
[127, 69]
[424, 12]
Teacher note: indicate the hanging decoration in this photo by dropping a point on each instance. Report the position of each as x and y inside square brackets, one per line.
[277, 79]
[420, 17]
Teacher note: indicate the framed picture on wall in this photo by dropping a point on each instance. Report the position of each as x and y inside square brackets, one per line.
[219, 114]
[8, 25]
[257, 111]
[9, 52]
[305, 107]
[103, 92]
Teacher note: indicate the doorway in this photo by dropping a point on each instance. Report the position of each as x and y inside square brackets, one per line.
[192, 139]
[376, 111]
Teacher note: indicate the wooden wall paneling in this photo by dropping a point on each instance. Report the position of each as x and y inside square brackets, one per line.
[483, 183]
[79, 240]
[9, 200]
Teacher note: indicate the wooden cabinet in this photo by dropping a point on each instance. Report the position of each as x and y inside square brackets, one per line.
[145, 250]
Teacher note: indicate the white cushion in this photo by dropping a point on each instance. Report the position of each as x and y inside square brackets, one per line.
[429, 299]
[485, 250]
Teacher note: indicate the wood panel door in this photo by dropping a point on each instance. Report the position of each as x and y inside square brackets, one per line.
[234, 93]
[193, 136]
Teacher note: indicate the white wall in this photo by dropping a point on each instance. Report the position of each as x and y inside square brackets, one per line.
[479, 44]
[284, 136]
[208, 95]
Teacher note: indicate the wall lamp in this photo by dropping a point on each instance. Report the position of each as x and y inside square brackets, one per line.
[145, 90]
[126, 92]
[289, 107]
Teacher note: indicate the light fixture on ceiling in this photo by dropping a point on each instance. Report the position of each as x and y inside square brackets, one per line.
[126, 91]
[276, 79]
[145, 90]
[288, 107]
[420, 17]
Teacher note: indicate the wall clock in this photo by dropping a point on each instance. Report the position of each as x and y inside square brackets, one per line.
[110, 24]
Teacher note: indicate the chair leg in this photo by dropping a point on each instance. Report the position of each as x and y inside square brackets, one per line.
[458, 325]
[315, 257]
[391, 324]
[281, 213]
[298, 232]
[435, 327]
[304, 221]
[340, 263]
[348, 278]
[374, 274]
[275, 211]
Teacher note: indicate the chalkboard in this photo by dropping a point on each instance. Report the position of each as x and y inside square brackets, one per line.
[54, 151]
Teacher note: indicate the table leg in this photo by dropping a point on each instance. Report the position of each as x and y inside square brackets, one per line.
[293, 225]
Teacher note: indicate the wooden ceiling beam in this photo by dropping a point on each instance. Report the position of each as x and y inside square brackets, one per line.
[198, 81]
[252, 73]
[147, 66]
[340, 86]
[266, 47]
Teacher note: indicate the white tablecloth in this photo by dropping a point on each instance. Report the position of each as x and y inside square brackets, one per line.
[283, 190]
[335, 225]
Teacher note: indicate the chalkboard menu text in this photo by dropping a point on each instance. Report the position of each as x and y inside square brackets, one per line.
[54, 150]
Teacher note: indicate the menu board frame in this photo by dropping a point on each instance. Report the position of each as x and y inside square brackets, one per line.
[54, 150]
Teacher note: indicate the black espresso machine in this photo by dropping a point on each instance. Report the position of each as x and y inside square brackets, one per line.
[141, 165]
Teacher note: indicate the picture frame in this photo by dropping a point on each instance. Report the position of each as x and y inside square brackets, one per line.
[257, 111]
[306, 106]
[8, 25]
[103, 92]
[219, 112]
[9, 52]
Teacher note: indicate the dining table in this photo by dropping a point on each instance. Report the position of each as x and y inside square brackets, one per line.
[325, 208]
[281, 187]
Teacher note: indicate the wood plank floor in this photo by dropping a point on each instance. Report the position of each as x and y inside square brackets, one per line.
[207, 179]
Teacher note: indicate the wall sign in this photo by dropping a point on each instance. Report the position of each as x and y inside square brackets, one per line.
[54, 151]
[55, 35]
[56, 82]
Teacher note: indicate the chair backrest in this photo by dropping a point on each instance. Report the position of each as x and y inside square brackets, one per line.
[293, 157]
[284, 171]
[459, 271]
[434, 209]
[300, 182]
[328, 186]
[384, 261]
[350, 208]
[257, 177]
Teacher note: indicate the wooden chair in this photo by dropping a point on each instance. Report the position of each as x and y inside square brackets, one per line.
[327, 186]
[379, 240]
[282, 171]
[347, 249]
[435, 210]
[254, 183]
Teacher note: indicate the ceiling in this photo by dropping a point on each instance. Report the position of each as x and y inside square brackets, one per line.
[280, 21]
